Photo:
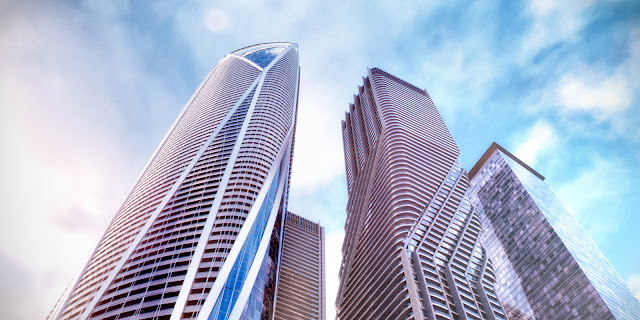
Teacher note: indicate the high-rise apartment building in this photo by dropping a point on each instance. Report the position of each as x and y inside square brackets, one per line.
[198, 235]
[546, 266]
[411, 247]
[301, 283]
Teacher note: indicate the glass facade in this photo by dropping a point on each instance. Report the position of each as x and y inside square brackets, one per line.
[261, 302]
[546, 266]
[235, 281]
[263, 57]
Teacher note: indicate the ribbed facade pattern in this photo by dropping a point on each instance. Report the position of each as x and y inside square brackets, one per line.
[547, 266]
[215, 97]
[411, 246]
[301, 287]
[222, 168]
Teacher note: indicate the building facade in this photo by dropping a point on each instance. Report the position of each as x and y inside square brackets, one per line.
[547, 267]
[411, 247]
[198, 237]
[301, 278]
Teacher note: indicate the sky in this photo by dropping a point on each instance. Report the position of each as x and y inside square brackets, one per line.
[89, 88]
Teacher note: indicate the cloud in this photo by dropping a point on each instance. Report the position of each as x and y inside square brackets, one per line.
[634, 285]
[16, 283]
[594, 93]
[602, 187]
[318, 155]
[113, 8]
[70, 82]
[633, 63]
[603, 179]
[216, 20]
[593, 99]
[325, 203]
[538, 140]
[554, 22]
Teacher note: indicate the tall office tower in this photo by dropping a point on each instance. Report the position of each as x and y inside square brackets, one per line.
[411, 246]
[197, 237]
[547, 266]
[301, 288]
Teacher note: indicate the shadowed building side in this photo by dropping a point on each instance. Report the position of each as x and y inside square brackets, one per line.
[301, 277]
[548, 266]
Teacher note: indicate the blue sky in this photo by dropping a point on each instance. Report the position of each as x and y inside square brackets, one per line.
[89, 88]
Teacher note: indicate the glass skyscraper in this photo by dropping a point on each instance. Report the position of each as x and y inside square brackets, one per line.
[411, 248]
[546, 266]
[199, 235]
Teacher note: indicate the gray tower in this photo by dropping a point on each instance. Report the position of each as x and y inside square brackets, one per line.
[547, 266]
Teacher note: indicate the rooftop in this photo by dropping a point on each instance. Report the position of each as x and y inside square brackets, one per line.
[492, 149]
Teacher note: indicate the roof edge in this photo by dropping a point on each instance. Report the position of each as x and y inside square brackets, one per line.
[490, 151]
[404, 82]
[264, 44]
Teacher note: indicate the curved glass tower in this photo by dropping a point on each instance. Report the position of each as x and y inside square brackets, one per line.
[198, 235]
[411, 248]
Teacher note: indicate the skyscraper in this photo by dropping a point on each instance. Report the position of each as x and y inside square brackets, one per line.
[301, 288]
[411, 247]
[547, 267]
[198, 235]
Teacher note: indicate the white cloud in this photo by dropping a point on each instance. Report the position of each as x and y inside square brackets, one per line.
[542, 7]
[633, 64]
[69, 83]
[601, 186]
[595, 100]
[553, 22]
[68, 155]
[603, 179]
[318, 157]
[634, 285]
[216, 20]
[112, 8]
[538, 140]
[594, 93]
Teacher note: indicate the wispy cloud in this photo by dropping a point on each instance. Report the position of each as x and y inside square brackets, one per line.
[216, 20]
[539, 139]
[553, 22]
[69, 157]
[16, 283]
[604, 184]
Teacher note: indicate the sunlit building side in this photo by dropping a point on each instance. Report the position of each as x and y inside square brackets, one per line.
[411, 247]
[198, 237]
